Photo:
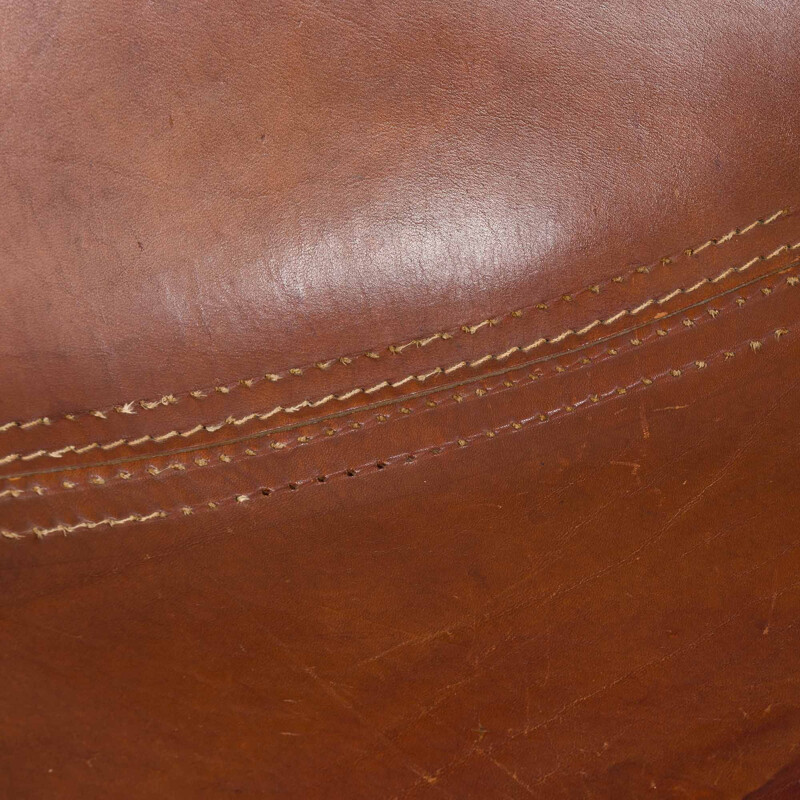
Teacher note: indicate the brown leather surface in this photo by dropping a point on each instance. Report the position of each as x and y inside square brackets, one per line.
[399, 400]
[784, 786]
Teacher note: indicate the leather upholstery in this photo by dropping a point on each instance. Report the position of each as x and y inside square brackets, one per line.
[399, 399]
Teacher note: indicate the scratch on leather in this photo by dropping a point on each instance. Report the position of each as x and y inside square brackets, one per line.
[323, 429]
[511, 735]
[750, 345]
[132, 406]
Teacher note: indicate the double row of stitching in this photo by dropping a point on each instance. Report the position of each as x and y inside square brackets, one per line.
[541, 417]
[418, 378]
[327, 427]
[134, 406]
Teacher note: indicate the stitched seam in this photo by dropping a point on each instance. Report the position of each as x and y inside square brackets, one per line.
[201, 428]
[318, 432]
[405, 457]
[132, 406]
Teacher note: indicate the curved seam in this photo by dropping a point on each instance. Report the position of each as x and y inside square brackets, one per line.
[314, 428]
[405, 457]
[130, 407]
[201, 428]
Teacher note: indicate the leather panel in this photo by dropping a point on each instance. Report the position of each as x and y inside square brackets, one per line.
[399, 400]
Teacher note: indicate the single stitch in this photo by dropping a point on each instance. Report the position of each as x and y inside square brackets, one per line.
[398, 458]
[385, 384]
[201, 394]
[483, 389]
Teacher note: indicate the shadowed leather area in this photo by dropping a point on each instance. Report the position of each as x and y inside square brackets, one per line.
[399, 400]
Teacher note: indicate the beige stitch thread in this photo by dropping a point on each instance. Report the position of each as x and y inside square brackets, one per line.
[33, 422]
[263, 416]
[381, 464]
[403, 410]
[200, 394]
[110, 521]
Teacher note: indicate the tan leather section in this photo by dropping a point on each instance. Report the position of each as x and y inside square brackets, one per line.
[399, 400]
[268, 172]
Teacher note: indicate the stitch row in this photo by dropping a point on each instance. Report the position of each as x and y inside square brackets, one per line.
[753, 345]
[385, 384]
[305, 438]
[132, 406]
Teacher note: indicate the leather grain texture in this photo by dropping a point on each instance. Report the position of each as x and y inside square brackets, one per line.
[399, 400]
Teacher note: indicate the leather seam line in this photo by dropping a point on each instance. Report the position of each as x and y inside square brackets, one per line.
[406, 457]
[131, 407]
[317, 432]
[201, 428]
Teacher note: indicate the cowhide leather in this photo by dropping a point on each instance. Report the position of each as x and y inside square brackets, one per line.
[400, 399]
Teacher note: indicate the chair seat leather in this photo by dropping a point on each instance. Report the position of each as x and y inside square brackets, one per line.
[399, 400]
